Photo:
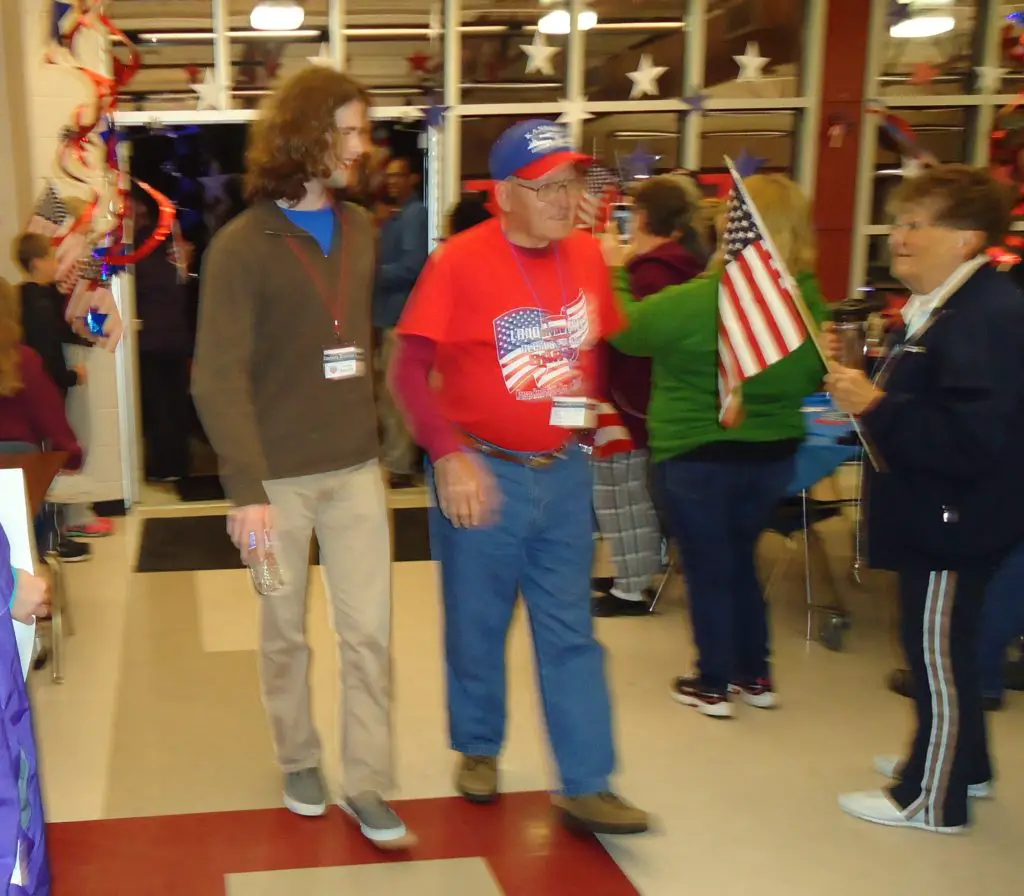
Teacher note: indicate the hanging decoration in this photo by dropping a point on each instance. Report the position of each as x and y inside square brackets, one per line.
[91, 245]
[323, 57]
[436, 110]
[923, 74]
[696, 100]
[574, 111]
[638, 165]
[748, 164]
[838, 127]
[989, 78]
[1006, 149]
[207, 92]
[540, 58]
[751, 63]
[897, 132]
[645, 78]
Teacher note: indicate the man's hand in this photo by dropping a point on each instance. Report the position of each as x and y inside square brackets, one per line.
[244, 522]
[851, 390]
[466, 490]
[33, 598]
[82, 373]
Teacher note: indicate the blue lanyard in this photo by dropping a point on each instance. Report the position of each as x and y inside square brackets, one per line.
[526, 278]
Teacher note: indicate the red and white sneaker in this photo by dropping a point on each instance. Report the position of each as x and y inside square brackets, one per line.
[97, 527]
[760, 693]
[690, 692]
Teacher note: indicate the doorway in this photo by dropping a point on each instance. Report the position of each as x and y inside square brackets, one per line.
[199, 166]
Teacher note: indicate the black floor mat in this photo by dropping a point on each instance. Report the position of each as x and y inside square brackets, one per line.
[187, 543]
[200, 488]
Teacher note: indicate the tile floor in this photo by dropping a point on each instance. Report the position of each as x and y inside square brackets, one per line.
[159, 775]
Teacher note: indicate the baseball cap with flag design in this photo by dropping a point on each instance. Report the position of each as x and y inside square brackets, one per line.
[530, 149]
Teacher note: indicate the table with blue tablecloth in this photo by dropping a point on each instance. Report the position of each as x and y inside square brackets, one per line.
[825, 447]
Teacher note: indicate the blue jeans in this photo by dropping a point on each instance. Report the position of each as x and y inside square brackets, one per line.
[541, 545]
[1002, 620]
[716, 513]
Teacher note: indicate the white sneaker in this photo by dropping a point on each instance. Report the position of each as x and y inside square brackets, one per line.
[889, 766]
[876, 807]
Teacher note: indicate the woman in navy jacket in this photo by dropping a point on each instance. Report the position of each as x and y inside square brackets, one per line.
[945, 419]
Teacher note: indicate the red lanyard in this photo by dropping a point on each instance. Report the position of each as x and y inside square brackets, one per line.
[336, 308]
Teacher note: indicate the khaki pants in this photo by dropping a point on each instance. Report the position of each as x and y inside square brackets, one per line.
[348, 510]
[398, 453]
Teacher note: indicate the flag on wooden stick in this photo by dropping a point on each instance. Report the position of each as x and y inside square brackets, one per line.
[761, 315]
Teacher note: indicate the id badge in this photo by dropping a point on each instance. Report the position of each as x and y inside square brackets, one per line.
[573, 413]
[343, 363]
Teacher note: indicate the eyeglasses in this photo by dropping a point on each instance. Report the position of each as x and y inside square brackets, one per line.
[548, 193]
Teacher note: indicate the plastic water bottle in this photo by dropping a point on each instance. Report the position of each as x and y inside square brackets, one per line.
[266, 574]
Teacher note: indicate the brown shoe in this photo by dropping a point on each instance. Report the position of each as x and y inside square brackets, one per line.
[602, 813]
[477, 778]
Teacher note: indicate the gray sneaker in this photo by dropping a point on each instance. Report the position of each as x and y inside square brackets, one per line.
[378, 822]
[304, 792]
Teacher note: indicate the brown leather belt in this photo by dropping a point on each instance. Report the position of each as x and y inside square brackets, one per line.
[532, 461]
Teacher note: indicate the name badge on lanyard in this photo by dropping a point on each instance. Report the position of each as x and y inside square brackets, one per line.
[343, 363]
[572, 412]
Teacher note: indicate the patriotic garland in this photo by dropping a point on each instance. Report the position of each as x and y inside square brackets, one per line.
[89, 249]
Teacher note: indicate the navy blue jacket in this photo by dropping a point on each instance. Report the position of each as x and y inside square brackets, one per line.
[950, 434]
[403, 250]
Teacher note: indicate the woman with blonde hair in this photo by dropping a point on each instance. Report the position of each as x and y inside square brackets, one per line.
[718, 486]
[31, 405]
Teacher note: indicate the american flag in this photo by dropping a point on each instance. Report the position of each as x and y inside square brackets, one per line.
[759, 321]
[49, 213]
[602, 187]
[538, 349]
[611, 437]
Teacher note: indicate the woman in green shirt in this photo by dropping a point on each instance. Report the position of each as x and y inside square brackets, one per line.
[718, 486]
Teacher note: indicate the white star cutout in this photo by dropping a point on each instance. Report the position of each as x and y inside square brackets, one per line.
[751, 63]
[540, 57]
[645, 78]
[990, 78]
[573, 111]
[323, 57]
[208, 92]
[434, 27]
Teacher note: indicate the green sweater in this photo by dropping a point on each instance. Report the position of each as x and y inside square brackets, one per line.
[678, 329]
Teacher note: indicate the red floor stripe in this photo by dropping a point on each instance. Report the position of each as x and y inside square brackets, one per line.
[527, 848]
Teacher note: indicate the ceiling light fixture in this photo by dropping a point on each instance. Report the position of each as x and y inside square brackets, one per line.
[922, 18]
[558, 21]
[277, 15]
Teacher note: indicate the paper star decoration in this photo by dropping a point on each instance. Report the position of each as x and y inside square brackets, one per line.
[435, 29]
[748, 164]
[696, 101]
[322, 58]
[215, 183]
[419, 62]
[540, 57]
[923, 73]
[639, 164]
[751, 63]
[207, 91]
[990, 78]
[436, 111]
[573, 111]
[645, 78]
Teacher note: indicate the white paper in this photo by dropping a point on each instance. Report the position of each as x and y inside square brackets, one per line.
[17, 525]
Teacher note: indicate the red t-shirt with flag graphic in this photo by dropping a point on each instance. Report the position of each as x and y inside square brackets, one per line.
[514, 328]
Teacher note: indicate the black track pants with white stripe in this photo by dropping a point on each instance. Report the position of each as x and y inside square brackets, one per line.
[940, 614]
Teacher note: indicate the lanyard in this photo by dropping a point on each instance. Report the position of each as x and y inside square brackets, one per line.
[337, 307]
[526, 277]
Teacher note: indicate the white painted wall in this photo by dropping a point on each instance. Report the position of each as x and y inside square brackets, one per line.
[50, 95]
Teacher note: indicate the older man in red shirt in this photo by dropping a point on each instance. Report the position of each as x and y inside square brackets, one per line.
[506, 316]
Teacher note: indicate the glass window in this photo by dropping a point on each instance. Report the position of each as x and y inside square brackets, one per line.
[941, 132]
[175, 53]
[768, 136]
[632, 142]
[395, 48]
[773, 31]
[496, 68]
[937, 66]
[614, 48]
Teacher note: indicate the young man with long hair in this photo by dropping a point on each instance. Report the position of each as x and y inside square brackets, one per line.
[280, 383]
